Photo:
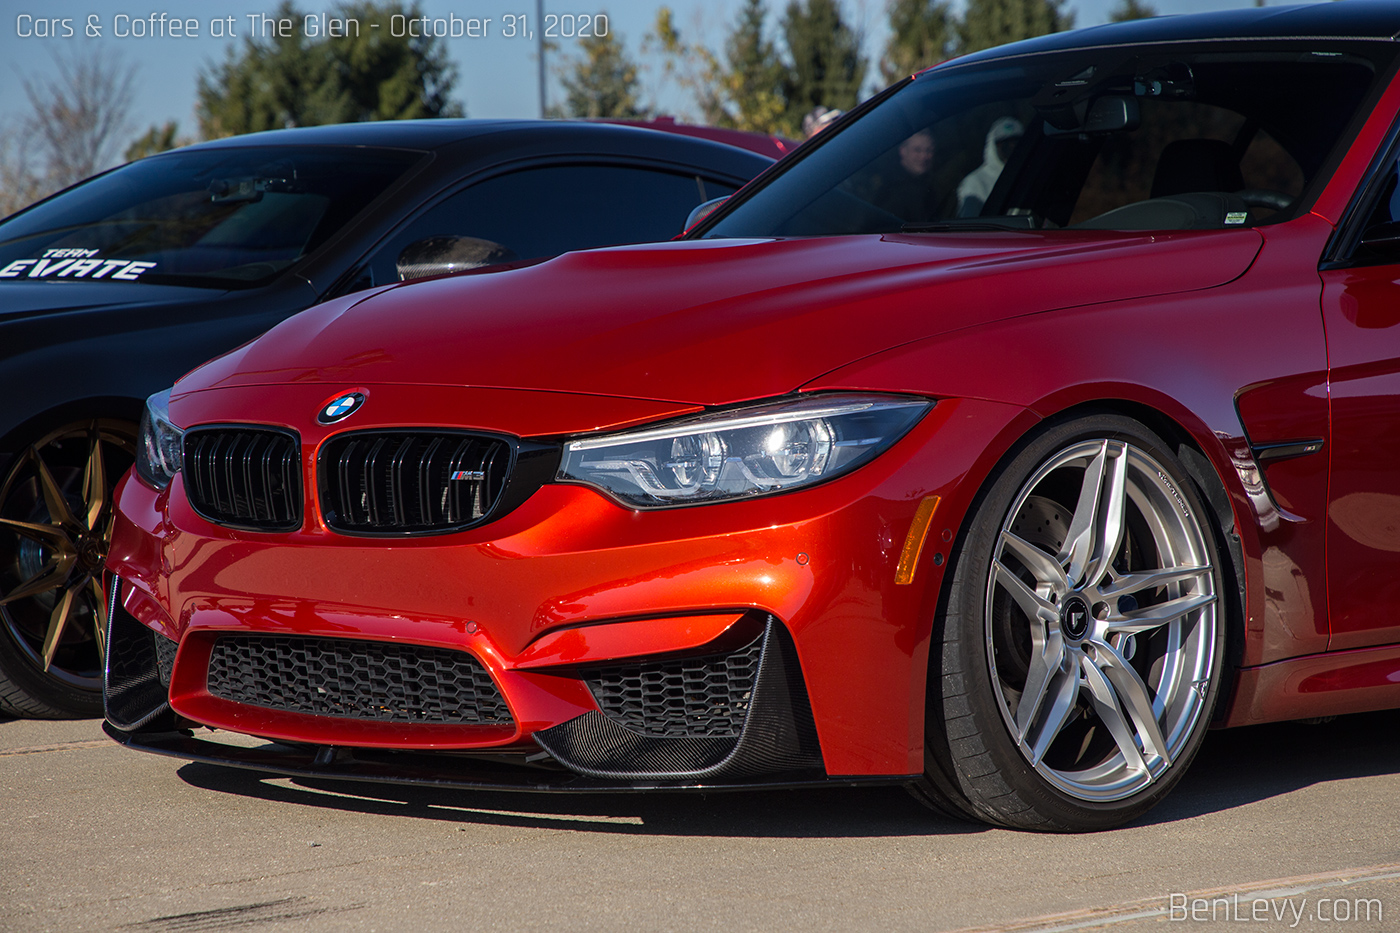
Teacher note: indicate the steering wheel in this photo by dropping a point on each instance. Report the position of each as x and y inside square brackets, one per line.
[1263, 197]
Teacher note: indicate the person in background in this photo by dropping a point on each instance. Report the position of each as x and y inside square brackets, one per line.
[907, 190]
[975, 188]
[819, 119]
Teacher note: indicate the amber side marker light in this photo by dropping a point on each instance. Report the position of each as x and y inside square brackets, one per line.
[914, 543]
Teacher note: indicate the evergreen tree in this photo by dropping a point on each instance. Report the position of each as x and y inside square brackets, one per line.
[284, 81]
[922, 33]
[754, 75]
[156, 139]
[759, 84]
[387, 78]
[825, 65]
[603, 83]
[744, 90]
[987, 23]
[1131, 9]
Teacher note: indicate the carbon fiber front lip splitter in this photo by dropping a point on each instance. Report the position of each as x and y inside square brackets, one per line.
[453, 771]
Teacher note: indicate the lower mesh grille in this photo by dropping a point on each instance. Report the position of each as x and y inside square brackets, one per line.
[355, 680]
[698, 697]
[165, 657]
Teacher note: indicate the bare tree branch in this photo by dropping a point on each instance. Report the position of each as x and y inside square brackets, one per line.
[79, 119]
[21, 184]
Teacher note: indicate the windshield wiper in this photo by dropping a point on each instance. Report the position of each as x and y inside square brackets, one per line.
[970, 223]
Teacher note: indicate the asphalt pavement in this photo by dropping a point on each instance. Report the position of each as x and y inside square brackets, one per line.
[1278, 827]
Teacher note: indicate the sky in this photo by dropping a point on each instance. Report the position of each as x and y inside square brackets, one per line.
[497, 74]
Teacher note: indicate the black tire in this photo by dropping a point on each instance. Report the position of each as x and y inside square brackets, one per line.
[1087, 753]
[63, 554]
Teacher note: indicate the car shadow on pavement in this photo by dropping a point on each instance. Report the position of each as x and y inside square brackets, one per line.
[796, 813]
[1240, 766]
[1234, 768]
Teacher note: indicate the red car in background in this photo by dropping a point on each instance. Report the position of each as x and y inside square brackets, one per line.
[1007, 437]
[765, 144]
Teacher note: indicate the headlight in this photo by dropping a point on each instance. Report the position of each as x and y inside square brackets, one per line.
[742, 452]
[158, 450]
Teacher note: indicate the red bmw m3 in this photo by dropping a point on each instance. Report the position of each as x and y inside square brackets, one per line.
[1040, 415]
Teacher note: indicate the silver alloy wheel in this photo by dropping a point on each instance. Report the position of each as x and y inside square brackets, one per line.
[1101, 617]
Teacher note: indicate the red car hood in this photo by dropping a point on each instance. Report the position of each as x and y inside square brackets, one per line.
[711, 322]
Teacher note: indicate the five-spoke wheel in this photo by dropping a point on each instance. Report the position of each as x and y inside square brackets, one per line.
[55, 524]
[1083, 635]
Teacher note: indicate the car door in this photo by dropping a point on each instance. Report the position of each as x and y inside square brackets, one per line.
[542, 211]
[1361, 314]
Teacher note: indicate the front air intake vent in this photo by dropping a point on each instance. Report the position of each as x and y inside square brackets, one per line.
[726, 715]
[352, 679]
[411, 482]
[244, 477]
[707, 696]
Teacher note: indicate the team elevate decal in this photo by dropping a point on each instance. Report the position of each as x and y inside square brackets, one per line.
[77, 264]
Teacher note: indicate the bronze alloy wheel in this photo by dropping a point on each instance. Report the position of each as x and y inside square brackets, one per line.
[55, 524]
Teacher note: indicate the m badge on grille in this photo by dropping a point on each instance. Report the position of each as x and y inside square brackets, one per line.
[468, 474]
[341, 408]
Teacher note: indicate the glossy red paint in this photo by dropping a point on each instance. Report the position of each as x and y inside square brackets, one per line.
[1363, 338]
[1163, 367]
[1223, 342]
[1330, 684]
[773, 316]
[632, 638]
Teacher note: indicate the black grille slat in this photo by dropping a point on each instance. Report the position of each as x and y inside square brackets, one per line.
[230, 501]
[425, 490]
[351, 679]
[245, 477]
[402, 482]
[454, 491]
[396, 487]
[368, 485]
[696, 697]
[344, 486]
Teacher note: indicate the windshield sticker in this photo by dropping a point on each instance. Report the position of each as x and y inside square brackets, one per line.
[76, 264]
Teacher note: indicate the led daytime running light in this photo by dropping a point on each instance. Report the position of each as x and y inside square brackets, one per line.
[744, 452]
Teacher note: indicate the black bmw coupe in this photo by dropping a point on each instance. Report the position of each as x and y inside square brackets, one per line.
[112, 289]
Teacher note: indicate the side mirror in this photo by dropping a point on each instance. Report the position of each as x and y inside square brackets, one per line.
[703, 211]
[439, 255]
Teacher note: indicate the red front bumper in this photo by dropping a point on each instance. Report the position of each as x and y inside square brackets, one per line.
[571, 577]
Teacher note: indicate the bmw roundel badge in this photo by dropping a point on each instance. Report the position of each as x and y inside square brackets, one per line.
[341, 408]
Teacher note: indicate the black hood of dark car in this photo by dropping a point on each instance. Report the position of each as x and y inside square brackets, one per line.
[22, 299]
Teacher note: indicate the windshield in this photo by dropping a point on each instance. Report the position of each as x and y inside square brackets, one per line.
[220, 218]
[1111, 139]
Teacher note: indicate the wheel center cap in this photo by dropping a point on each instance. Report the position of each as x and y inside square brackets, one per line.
[91, 554]
[1074, 618]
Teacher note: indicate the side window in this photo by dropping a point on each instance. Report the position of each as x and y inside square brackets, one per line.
[546, 211]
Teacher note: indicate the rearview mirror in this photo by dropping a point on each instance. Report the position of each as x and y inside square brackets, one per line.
[1108, 114]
